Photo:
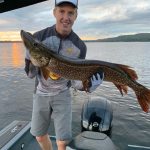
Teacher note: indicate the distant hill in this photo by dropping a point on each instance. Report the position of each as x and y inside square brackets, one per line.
[140, 37]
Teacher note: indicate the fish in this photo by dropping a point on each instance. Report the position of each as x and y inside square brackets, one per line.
[122, 76]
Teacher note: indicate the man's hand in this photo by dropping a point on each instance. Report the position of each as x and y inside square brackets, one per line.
[95, 81]
[30, 69]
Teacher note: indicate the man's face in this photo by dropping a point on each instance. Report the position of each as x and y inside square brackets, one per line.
[65, 16]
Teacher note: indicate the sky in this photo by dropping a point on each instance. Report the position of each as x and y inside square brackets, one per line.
[96, 19]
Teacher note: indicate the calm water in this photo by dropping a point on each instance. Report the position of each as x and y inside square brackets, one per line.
[130, 124]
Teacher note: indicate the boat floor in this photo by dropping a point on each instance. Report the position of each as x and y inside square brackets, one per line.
[13, 139]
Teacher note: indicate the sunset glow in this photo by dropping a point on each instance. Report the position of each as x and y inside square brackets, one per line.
[15, 36]
[10, 36]
[12, 54]
[17, 56]
[88, 38]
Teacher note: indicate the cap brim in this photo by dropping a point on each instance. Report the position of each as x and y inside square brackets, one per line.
[60, 3]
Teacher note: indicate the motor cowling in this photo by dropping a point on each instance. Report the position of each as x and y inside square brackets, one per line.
[96, 124]
[97, 115]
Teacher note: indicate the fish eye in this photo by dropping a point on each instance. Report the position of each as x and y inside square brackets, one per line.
[35, 44]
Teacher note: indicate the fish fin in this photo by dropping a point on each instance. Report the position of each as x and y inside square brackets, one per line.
[86, 85]
[127, 69]
[45, 72]
[143, 97]
[122, 88]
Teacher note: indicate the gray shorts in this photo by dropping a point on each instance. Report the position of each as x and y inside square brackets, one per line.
[43, 108]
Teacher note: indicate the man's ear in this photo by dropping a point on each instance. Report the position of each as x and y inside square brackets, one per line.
[54, 12]
[76, 15]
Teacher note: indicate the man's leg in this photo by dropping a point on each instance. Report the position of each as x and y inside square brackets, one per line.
[62, 115]
[44, 142]
[41, 116]
[61, 145]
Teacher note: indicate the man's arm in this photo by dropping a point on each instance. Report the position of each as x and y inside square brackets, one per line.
[30, 69]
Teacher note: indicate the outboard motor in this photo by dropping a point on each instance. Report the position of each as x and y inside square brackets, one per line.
[96, 127]
[97, 116]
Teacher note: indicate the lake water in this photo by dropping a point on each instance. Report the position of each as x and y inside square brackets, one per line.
[130, 124]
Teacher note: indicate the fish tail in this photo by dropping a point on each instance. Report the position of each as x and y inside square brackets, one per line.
[143, 96]
[129, 71]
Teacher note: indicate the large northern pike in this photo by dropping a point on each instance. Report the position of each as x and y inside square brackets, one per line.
[79, 69]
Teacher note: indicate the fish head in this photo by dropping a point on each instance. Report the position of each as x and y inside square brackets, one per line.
[28, 40]
[40, 55]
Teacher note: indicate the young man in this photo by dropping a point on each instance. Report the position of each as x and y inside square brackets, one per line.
[52, 95]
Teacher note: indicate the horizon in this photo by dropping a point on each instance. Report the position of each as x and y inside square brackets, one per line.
[107, 19]
[82, 39]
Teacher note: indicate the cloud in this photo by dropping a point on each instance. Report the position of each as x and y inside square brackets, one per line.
[96, 18]
[112, 18]
[30, 18]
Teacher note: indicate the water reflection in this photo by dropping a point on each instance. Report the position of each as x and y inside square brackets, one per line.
[12, 55]
[16, 90]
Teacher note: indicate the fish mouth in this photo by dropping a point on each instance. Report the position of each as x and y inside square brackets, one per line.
[25, 35]
[27, 39]
[21, 33]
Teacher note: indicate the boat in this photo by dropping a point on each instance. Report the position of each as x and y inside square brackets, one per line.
[8, 5]
[96, 127]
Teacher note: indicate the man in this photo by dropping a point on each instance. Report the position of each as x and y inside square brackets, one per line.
[52, 95]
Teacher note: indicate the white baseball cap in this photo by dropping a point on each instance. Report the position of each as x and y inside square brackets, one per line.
[73, 2]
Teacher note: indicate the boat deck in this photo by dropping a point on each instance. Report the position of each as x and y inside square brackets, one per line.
[17, 136]
[24, 140]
